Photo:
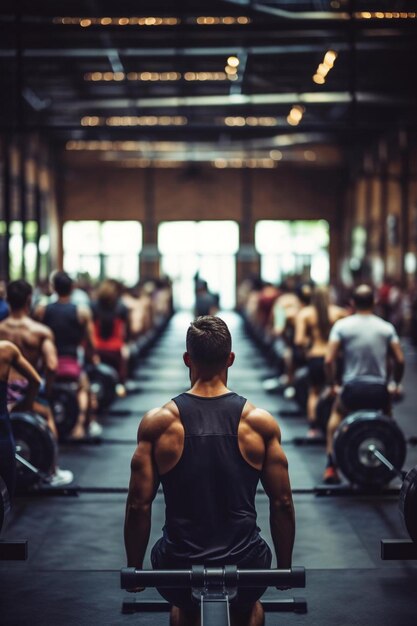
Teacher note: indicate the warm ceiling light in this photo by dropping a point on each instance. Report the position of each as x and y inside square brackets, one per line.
[85, 23]
[309, 155]
[233, 61]
[323, 70]
[330, 57]
[105, 21]
[296, 113]
[230, 70]
[292, 121]
[318, 79]
[276, 155]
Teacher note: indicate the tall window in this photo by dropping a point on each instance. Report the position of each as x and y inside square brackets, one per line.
[293, 247]
[103, 249]
[206, 250]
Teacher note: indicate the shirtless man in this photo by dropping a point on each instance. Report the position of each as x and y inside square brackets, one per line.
[209, 448]
[12, 359]
[284, 315]
[72, 326]
[312, 328]
[36, 342]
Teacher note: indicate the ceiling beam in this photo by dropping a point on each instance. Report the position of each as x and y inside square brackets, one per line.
[335, 16]
[334, 97]
[191, 51]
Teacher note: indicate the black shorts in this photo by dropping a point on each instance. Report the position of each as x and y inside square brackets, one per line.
[357, 395]
[316, 371]
[258, 557]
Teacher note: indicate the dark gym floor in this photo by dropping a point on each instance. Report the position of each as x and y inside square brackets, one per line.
[76, 543]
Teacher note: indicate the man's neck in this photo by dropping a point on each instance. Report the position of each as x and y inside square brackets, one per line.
[366, 312]
[64, 299]
[215, 386]
[19, 315]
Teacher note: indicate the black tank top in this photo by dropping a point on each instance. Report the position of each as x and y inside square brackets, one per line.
[210, 493]
[62, 319]
[3, 398]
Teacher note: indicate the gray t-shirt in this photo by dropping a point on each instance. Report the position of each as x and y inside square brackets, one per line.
[365, 340]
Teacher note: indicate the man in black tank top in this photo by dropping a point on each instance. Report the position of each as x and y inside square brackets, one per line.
[209, 448]
[72, 327]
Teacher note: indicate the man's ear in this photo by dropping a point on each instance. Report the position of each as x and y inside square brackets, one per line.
[187, 359]
[231, 359]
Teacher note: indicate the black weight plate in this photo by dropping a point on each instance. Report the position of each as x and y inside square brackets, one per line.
[323, 411]
[353, 436]
[103, 379]
[37, 446]
[4, 503]
[408, 503]
[64, 405]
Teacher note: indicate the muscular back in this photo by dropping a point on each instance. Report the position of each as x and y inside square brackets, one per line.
[35, 340]
[164, 428]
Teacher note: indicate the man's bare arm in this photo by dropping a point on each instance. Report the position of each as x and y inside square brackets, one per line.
[276, 483]
[50, 361]
[85, 317]
[398, 358]
[143, 485]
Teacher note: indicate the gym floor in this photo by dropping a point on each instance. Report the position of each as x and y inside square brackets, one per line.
[76, 543]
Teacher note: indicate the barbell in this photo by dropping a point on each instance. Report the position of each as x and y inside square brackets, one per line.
[369, 449]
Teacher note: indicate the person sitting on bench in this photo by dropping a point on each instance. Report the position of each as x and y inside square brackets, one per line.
[12, 358]
[209, 447]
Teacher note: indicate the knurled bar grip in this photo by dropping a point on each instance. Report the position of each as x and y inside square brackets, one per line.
[131, 577]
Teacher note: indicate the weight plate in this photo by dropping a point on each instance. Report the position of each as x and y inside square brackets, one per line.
[64, 405]
[351, 442]
[408, 503]
[35, 443]
[4, 503]
[103, 380]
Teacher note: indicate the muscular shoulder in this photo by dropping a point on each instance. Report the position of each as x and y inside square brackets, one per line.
[158, 421]
[84, 313]
[8, 350]
[261, 422]
[39, 329]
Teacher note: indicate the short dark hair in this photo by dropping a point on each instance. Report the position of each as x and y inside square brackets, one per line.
[209, 342]
[62, 283]
[18, 293]
[363, 297]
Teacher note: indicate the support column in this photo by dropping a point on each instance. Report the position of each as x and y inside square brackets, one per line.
[5, 260]
[248, 261]
[22, 198]
[150, 257]
[383, 157]
[405, 198]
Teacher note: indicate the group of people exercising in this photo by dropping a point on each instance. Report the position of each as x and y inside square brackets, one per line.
[51, 337]
[208, 447]
[352, 355]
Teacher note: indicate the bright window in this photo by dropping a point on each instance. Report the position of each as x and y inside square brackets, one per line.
[103, 249]
[293, 247]
[205, 249]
